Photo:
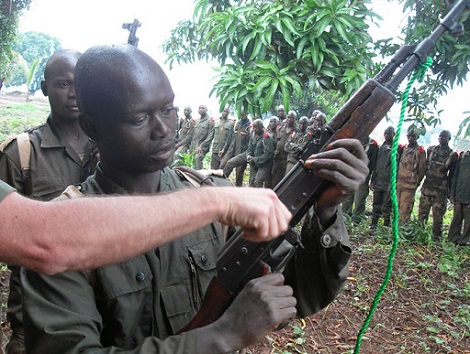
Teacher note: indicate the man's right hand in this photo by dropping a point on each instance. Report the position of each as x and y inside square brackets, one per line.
[262, 305]
[258, 211]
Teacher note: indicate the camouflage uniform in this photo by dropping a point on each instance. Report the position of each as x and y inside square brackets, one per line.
[280, 155]
[460, 196]
[202, 136]
[238, 146]
[434, 190]
[410, 174]
[358, 199]
[222, 138]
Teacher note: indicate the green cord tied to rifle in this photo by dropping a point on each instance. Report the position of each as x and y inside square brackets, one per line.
[417, 74]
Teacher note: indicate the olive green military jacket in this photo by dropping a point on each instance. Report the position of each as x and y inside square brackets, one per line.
[202, 135]
[223, 134]
[281, 138]
[295, 144]
[412, 167]
[54, 164]
[261, 148]
[138, 305]
[5, 189]
[380, 178]
[460, 187]
[241, 138]
[184, 134]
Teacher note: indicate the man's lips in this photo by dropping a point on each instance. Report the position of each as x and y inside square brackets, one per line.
[72, 108]
[164, 152]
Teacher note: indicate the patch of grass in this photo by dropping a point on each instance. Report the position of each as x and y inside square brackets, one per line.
[16, 117]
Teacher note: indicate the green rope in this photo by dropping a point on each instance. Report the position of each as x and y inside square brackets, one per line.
[418, 73]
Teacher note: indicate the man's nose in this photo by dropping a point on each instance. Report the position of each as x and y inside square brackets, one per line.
[160, 128]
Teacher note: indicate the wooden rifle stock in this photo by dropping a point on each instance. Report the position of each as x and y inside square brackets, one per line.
[242, 260]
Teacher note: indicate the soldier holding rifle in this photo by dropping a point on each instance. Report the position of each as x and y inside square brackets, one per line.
[141, 304]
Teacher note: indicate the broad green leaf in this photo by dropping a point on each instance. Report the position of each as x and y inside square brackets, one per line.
[300, 47]
[261, 84]
[290, 25]
[256, 49]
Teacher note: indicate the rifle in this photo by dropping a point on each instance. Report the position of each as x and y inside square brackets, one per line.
[242, 260]
[132, 27]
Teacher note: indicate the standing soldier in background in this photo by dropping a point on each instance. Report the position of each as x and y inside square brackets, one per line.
[460, 196]
[260, 155]
[202, 136]
[410, 174]
[223, 134]
[359, 198]
[296, 142]
[184, 133]
[280, 154]
[380, 182]
[273, 128]
[435, 189]
[317, 120]
[238, 146]
[40, 164]
[281, 114]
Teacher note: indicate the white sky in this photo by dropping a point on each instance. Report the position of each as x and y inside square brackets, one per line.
[82, 24]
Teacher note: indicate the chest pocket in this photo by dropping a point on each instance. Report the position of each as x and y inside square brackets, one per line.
[47, 187]
[121, 279]
[182, 300]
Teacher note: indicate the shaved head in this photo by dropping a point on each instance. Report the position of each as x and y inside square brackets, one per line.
[62, 56]
[107, 76]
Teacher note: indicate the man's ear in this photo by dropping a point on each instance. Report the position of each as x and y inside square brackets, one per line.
[88, 126]
[44, 88]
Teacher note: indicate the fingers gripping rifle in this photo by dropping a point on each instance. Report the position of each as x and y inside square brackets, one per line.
[242, 260]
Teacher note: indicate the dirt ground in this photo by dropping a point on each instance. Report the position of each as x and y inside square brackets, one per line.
[412, 317]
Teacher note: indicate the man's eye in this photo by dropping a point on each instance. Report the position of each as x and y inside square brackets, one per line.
[139, 120]
[168, 112]
[64, 84]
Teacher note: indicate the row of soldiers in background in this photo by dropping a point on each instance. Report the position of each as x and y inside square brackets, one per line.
[445, 176]
[271, 152]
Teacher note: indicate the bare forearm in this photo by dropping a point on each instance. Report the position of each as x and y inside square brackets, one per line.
[85, 233]
[90, 232]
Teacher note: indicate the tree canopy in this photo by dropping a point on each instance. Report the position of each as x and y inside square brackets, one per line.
[32, 51]
[10, 10]
[268, 47]
[288, 48]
